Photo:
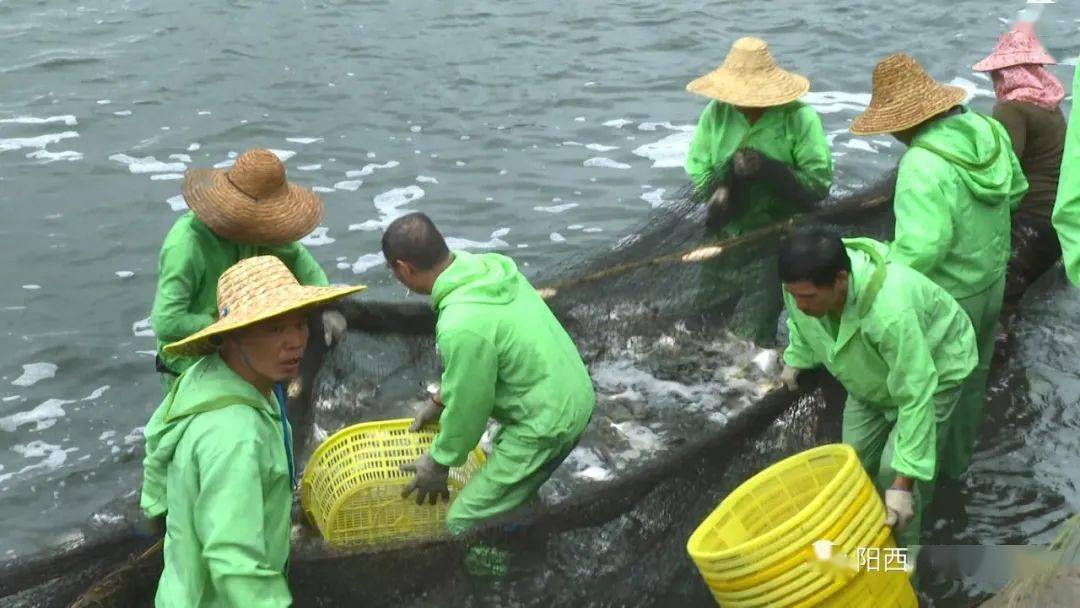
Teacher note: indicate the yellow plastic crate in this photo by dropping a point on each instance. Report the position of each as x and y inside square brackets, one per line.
[756, 549]
[351, 489]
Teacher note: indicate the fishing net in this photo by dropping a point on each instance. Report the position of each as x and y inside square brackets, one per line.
[664, 319]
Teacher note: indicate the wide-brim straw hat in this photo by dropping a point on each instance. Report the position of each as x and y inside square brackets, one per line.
[904, 96]
[251, 202]
[253, 290]
[749, 77]
[1018, 46]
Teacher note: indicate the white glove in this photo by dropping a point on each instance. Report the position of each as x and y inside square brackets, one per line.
[334, 326]
[790, 377]
[899, 508]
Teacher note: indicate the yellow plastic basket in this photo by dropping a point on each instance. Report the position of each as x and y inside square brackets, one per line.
[351, 489]
[756, 548]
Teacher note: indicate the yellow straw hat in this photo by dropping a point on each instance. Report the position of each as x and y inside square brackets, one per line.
[251, 202]
[904, 96]
[254, 290]
[750, 78]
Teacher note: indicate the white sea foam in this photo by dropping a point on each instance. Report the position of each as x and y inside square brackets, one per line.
[122, 113]
[35, 372]
[607, 163]
[192, 147]
[655, 198]
[283, 155]
[556, 208]
[667, 152]
[389, 205]
[67, 119]
[43, 416]
[322, 189]
[184, 158]
[304, 140]
[162, 177]
[31, 287]
[314, 167]
[557, 238]
[618, 123]
[371, 168]
[350, 185]
[96, 393]
[124, 274]
[142, 328]
[48, 157]
[52, 457]
[832, 102]
[366, 262]
[147, 164]
[319, 237]
[39, 142]
[177, 203]
[423, 179]
[494, 242]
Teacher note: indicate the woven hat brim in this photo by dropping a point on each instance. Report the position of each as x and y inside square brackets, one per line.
[296, 298]
[287, 217]
[774, 88]
[999, 61]
[914, 109]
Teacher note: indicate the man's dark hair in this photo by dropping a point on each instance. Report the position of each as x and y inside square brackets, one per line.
[413, 238]
[813, 254]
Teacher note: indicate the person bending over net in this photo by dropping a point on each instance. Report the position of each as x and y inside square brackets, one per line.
[505, 356]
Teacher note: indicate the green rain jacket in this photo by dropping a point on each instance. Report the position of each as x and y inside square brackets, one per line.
[901, 339]
[955, 193]
[216, 464]
[506, 357]
[192, 260]
[791, 134]
[1067, 206]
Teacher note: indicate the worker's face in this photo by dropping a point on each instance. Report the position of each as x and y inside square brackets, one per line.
[415, 279]
[818, 300]
[273, 349]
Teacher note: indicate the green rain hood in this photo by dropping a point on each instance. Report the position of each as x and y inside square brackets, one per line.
[216, 463]
[955, 193]
[506, 357]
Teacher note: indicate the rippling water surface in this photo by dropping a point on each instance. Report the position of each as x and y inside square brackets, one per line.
[543, 130]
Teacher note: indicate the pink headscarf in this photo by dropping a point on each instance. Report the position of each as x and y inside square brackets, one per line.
[1030, 83]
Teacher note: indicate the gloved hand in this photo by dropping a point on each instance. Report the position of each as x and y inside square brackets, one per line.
[899, 508]
[790, 377]
[334, 326]
[431, 412]
[746, 163]
[430, 481]
[719, 197]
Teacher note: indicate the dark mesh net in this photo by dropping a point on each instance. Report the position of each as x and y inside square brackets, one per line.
[662, 319]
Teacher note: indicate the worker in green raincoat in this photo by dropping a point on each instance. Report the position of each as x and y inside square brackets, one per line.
[957, 186]
[219, 464]
[1067, 205]
[506, 357]
[758, 156]
[898, 343]
[245, 211]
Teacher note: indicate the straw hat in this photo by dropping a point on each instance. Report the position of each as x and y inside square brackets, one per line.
[750, 78]
[904, 96]
[253, 290]
[251, 203]
[1016, 47]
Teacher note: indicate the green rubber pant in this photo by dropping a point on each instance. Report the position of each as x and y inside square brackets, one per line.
[983, 309]
[509, 479]
[871, 431]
